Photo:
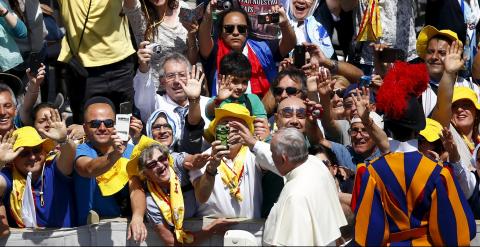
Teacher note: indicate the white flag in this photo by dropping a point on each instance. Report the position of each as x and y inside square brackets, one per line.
[28, 204]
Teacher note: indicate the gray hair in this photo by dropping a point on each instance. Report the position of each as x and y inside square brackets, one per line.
[291, 143]
[172, 56]
[6, 88]
[148, 152]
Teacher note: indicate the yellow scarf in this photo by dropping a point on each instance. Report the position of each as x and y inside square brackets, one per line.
[172, 207]
[232, 177]
[371, 26]
[114, 179]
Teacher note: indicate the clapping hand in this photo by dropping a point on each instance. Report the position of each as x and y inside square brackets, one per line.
[193, 88]
[58, 128]
[7, 154]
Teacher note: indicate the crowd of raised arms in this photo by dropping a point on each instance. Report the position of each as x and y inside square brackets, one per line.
[340, 122]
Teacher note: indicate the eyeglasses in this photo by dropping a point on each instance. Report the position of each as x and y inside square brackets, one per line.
[355, 131]
[277, 91]
[339, 92]
[109, 123]
[172, 76]
[158, 127]
[28, 151]
[289, 112]
[229, 29]
[152, 164]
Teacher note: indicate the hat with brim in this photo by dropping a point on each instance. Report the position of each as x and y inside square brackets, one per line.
[432, 131]
[13, 81]
[230, 110]
[29, 137]
[460, 93]
[429, 32]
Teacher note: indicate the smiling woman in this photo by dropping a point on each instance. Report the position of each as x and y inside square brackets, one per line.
[465, 115]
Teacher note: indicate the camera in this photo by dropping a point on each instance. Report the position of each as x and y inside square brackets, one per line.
[224, 4]
[221, 134]
[268, 18]
[299, 56]
[156, 48]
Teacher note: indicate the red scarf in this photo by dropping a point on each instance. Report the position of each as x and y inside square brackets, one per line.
[258, 82]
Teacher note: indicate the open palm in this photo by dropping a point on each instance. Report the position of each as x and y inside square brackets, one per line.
[7, 154]
[193, 88]
[325, 84]
[58, 128]
[454, 61]
[224, 89]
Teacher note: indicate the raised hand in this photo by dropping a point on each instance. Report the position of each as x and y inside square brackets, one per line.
[218, 152]
[362, 103]
[196, 161]
[58, 128]
[261, 128]
[244, 133]
[285, 63]
[144, 57]
[317, 58]
[135, 130]
[193, 88]
[75, 131]
[325, 84]
[454, 61]
[282, 14]
[449, 145]
[210, 8]
[36, 80]
[7, 154]
[224, 89]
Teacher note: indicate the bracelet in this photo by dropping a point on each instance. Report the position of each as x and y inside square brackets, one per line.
[194, 100]
[5, 14]
[212, 174]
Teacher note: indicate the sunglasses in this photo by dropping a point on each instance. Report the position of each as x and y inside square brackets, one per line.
[229, 29]
[277, 91]
[28, 151]
[338, 91]
[109, 123]
[289, 112]
[152, 164]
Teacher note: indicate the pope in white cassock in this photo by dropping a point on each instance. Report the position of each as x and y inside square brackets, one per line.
[308, 211]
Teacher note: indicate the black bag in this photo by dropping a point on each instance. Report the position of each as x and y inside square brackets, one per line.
[74, 62]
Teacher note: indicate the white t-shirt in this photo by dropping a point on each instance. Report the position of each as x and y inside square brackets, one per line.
[222, 204]
[308, 211]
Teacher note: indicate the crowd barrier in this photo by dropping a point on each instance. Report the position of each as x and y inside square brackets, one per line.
[114, 232]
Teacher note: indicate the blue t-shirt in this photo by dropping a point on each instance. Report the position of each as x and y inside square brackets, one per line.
[59, 208]
[87, 193]
[343, 156]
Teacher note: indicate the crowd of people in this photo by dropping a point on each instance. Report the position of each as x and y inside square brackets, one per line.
[337, 121]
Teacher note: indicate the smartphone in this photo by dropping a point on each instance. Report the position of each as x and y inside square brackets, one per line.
[191, 15]
[365, 81]
[221, 134]
[122, 120]
[34, 62]
[268, 18]
[390, 55]
[126, 107]
[299, 56]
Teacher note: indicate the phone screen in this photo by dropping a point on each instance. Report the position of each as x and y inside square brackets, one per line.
[299, 56]
[126, 107]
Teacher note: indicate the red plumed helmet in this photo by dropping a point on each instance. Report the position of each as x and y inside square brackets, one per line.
[401, 82]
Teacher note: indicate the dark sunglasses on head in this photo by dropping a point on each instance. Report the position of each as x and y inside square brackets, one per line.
[109, 123]
[277, 91]
[289, 112]
[27, 151]
[152, 164]
[229, 29]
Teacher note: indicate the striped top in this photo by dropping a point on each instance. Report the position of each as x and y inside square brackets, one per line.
[415, 200]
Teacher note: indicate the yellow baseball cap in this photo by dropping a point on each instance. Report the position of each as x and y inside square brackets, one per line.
[432, 131]
[465, 93]
[230, 110]
[29, 137]
[429, 32]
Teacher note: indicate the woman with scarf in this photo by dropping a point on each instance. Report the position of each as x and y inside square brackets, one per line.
[234, 28]
[11, 27]
[167, 203]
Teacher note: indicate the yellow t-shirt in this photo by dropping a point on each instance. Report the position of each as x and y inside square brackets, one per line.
[106, 39]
